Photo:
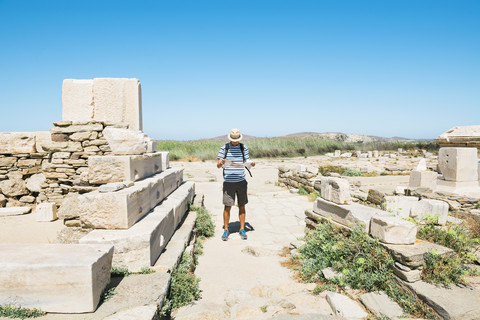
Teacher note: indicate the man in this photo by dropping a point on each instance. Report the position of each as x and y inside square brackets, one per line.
[235, 156]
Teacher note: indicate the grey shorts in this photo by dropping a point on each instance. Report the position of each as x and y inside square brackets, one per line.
[230, 189]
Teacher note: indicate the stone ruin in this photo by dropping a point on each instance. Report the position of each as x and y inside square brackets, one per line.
[101, 172]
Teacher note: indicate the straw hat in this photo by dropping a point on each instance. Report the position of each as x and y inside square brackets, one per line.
[235, 135]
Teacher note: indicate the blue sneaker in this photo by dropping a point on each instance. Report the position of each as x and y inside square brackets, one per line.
[243, 234]
[225, 235]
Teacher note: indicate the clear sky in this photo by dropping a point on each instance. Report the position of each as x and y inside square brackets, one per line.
[406, 68]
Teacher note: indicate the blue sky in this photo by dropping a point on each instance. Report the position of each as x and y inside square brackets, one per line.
[406, 68]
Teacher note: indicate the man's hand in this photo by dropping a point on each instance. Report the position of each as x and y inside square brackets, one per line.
[220, 163]
[253, 164]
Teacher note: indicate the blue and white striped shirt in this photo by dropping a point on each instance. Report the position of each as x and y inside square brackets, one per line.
[234, 174]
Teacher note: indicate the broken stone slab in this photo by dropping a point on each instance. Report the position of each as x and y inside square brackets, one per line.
[118, 100]
[77, 100]
[399, 205]
[112, 187]
[120, 168]
[393, 230]
[141, 245]
[413, 255]
[345, 307]
[46, 212]
[121, 209]
[17, 142]
[14, 211]
[405, 273]
[350, 215]
[458, 164]
[125, 141]
[423, 179]
[335, 189]
[66, 278]
[379, 303]
[449, 303]
[435, 208]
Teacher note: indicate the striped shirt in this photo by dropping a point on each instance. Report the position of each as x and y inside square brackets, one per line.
[231, 173]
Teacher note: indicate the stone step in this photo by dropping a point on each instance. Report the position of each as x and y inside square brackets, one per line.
[123, 168]
[67, 278]
[413, 255]
[141, 245]
[121, 209]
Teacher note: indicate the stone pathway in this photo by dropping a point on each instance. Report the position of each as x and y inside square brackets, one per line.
[244, 279]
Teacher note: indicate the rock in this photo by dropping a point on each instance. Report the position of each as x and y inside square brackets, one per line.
[379, 303]
[434, 208]
[458, 164]
[393, 230]
[7, 161]
[454, 220]
[329, 273]
[142, 312]
[14, 186]
[346, 155]
[199, 200]
[17, 142]
[81, 136]
[205, 311]
[293, 190]
[413, 255]
[112, 187]
[422, 165]
[36, 182]
[14, 211]
[27, 199]
[3, 200]
[46, 212]
[423, 179]
[54, 277]
[375, 197]
[335, 189]
[124, 141]
[345, 307]
[72, 223]
[400, 190]
[69, 207]
[399, 205]
[411, 275]
[449, 303]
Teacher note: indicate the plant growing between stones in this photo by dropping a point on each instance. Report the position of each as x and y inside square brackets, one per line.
[146, 270]
[119, 272]
[302, 190]
[444, 270]
[107, 294]
[204, 222]
[10, 311]
[351, 173]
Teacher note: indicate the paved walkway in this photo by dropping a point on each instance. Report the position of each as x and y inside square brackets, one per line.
[239, 277]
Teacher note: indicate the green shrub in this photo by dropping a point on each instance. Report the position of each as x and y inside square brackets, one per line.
[10, 311]
[351, 173]
[323, 170]
[302, 190]
[119, 272]
[107, 294]
[198, 247]
[184, 287]
[146, 270]
[322, 287]
[443, 270]
[264, 308]
[204, 222]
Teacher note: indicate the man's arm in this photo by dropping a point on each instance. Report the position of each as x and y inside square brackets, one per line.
[220, 163]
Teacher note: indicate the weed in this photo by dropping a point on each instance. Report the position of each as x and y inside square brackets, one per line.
[146, 270]
[313, 196]
[443, 270]
[204, 222]
[198, 247]
[264, 308]
[120, 272]
[184, 287]
[324, 170]
[325, 286]
[10, 311]
[107, 294]
[302, 190]
[477, 206]
[351, 173]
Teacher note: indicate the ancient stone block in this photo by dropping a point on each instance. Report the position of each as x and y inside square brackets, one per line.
[77, 100]
[405, 273]
[345, 307]
[124, 141]
[118, 168]
[13, 187]
[335, 189]
[7, 161]
[118, 100]
[458, 164]
[46, 212]
[434, 208]
[379, 303]
[399, 205]
[181, 199]
[423, 179]
[14, 211]
[41, 138]
[17, 142]
[393, 230]
[69, 146]
[413, 255]
[66, 278]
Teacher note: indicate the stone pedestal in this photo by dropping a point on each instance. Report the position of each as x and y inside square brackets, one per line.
[423, 179]
[458, 164]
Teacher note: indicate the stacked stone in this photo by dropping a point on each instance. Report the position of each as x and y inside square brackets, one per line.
[295, 176]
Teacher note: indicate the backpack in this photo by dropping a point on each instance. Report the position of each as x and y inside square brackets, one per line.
[242, 148]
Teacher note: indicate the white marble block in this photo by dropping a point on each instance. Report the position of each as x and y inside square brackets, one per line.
[165, 159]
[125, 141]
[17, 142]
[118, 100]
[46, 212]
[123, 168]
[77, 100]
[121, 209]
[335, 189]
[349, 215]
[458, 164]
[423, 179]
[400, 205]
[65, 278]
[434, 208]
[181, 200]
[393, 230]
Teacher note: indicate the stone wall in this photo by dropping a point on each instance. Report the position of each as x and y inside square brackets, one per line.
[41, 167]
[295, 176]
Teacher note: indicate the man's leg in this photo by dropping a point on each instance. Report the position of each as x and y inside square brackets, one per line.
[226, 217]
[241, 216]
